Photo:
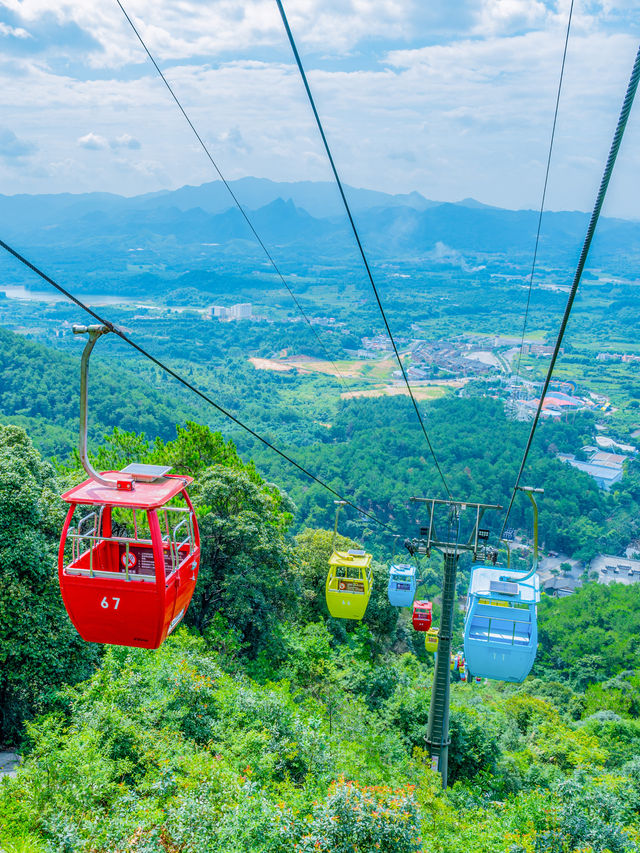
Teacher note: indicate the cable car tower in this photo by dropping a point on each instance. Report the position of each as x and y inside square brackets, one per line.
[450, 546]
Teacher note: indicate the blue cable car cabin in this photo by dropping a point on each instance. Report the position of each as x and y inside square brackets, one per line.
[402, 585]
[500, 627]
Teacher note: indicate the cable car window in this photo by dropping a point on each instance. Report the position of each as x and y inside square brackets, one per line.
[111, 542]
[522, 633]
[501, 631]
[349, 572]
[176, 525]
[479, 628]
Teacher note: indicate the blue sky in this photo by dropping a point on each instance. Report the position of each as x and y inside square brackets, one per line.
[453, 98]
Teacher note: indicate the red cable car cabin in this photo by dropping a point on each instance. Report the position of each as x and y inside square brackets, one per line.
[128, 557]
[422, 615]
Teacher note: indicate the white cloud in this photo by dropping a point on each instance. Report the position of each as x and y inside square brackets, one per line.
[16, 32]
[220, 27]
[508, 16]
[13, 148]
[469, 115]
[125, 140]
[92, 142]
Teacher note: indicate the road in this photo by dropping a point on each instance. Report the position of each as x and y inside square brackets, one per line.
[8, 763]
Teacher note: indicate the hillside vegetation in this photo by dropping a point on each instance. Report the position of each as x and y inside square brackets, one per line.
[264, 725]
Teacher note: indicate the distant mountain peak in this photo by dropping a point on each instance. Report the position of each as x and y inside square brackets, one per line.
[475, 204]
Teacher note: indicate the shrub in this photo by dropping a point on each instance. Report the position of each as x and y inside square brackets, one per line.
[355, 819]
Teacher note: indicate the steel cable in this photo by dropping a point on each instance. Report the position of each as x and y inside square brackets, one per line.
[357, 237]
[602, 191]
[188, 384]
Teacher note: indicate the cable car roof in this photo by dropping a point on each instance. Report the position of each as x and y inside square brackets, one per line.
[350, 558]
[489, 581]
[143, 495]
[402, 569]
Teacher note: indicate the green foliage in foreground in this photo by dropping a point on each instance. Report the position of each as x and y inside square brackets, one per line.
[39, 648]
[175, 751]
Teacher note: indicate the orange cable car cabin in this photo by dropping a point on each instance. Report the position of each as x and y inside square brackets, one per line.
[130, 546]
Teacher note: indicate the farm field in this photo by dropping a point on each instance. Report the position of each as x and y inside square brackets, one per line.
[420, 392]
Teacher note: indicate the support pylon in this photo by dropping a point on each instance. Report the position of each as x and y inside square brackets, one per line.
[437, 738]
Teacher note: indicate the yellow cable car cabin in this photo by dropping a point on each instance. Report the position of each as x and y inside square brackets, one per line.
[349, 583]
[431, 640]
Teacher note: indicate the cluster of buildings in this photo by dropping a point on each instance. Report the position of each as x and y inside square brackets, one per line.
[241, 311]
[459, 358]
[605, 468]
[379, 343]
[539, 350]
[604, 569]
[528, 347]
[625, 358]
[556, 404]
[561, 401]
[324, 321]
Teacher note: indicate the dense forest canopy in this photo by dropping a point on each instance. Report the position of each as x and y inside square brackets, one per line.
[373, 451]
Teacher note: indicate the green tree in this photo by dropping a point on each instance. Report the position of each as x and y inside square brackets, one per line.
[39, 648]
[248, 569]
[195, 448]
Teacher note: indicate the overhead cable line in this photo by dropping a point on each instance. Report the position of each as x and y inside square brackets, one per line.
[235, 198]
[357, 237]
[544, 190]
[602, 191]
[188, 384]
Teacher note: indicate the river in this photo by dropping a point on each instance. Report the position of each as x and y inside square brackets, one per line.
[19, 291]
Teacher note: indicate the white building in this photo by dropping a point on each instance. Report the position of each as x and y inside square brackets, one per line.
[240, 311]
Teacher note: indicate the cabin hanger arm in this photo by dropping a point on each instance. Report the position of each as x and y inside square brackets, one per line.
[94, 332]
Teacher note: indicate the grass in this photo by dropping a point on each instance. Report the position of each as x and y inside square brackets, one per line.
[355, 369]
[429, 392]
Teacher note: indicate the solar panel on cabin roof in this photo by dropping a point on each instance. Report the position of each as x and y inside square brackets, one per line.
[503, 587]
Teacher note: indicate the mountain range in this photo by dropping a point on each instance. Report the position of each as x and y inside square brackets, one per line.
[305, 219]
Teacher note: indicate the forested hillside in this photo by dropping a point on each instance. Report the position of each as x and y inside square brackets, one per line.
[39, 390]
[371, 449]
[375, 447]
[265, 725]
